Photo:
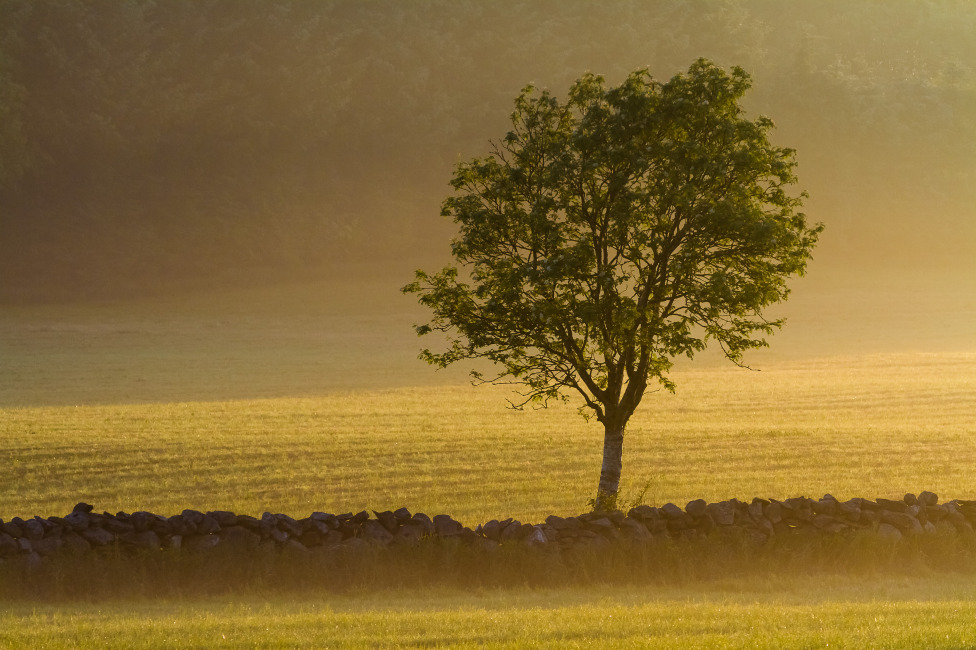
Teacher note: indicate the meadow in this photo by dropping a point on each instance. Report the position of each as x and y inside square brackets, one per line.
[275, 401]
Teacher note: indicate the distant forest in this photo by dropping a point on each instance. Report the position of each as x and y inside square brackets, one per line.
[154, 145]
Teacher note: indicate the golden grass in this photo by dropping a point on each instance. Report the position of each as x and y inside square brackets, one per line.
[831, 615]
[868, 426]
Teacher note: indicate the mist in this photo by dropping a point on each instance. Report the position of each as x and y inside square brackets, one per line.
[161, 147]
[271, 173]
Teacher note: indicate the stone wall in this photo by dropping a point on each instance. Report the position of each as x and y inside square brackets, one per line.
[84, 531]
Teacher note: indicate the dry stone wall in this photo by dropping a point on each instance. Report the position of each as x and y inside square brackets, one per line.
[85, 531]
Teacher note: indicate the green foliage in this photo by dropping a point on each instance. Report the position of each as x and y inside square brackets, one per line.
[617, 501]
[609, 234]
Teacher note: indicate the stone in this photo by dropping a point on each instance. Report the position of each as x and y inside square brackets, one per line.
[316, 525]
[850, 510]
[249, 522]
[208, 526]
[223, 518]
[193, 517]
[334, 538]
[635, 531]
[902, 521]
[672, 511]
[375, 531]
[239, 537]
[47, 545]
[797, 503]
[599, 526]
[423, 520]
[294, 529]
[537, 537]
[511, 531]
[179, 525]
[556, 522]
[142, 520]
[410, 533]
[146, 539]
[277, 535]
[755, 510]
[75, 543]
[870, 517]
[12, 529]
[773, 511]
[696, 508]
[492, 529]
[910, 499]
[388, 520]
[675, 525]
[402, 515]
[8, 545]
[82, 508]
[722, 513]
[644, 511]
[359, 517]
[826, 506]
[325, 518]
[889, 504]
[200, 542]
[98, 536]
[959, 521]
[822, 521]
[445, 526]
[889, 533]
[33, 529]
[936, 512]
[117, 526]
[160, 526]
[313, 537]
[928, 499]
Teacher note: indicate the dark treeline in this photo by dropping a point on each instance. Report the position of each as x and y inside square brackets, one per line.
[152, 145]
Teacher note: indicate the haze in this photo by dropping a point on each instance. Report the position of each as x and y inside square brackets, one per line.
[225, 196]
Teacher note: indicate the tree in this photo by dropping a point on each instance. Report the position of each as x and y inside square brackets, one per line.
[607, 235]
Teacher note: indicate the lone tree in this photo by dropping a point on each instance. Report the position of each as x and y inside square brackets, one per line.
[607, 235]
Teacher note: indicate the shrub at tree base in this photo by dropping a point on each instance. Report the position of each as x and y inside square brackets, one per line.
[73, 555]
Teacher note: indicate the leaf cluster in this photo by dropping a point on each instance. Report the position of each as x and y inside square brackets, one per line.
[609, 233]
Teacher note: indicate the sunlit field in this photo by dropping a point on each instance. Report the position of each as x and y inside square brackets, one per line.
[871, 426]
[264, 401]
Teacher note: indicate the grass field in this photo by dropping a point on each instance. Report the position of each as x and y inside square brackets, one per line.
[873, 426]
[835, 614]
[268, 401]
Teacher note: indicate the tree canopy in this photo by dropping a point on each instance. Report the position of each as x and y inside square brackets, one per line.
[608, 234]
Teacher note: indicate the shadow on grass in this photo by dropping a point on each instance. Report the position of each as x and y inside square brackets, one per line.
[117, 573]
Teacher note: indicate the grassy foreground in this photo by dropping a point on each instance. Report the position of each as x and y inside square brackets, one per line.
[876, 426]
[804, 615]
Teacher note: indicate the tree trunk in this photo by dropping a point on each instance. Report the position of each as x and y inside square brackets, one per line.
[613, 446]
